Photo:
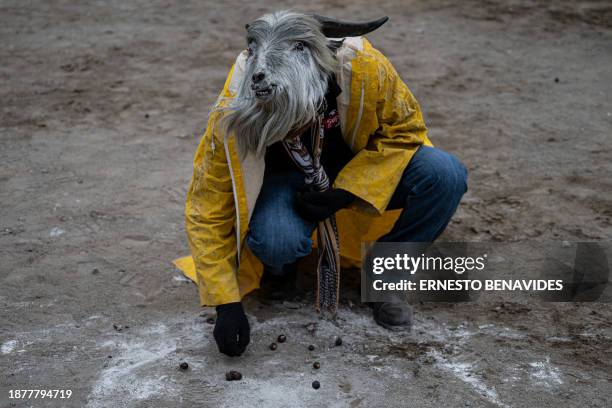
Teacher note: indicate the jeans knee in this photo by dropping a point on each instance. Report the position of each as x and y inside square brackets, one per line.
[279, 248]
[457, 177]
[448, 176]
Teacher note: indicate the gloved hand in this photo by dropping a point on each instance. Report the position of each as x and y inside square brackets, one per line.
[316, 206]
[232, 331]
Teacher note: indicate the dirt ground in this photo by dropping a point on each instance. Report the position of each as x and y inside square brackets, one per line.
[103, 104]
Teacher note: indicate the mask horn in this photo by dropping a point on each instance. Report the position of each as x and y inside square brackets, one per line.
[334, 28]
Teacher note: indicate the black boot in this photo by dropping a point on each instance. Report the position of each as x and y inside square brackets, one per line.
[279, 284]
[392, 316]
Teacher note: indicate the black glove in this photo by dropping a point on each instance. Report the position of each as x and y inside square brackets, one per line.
[232, 331]
[316, 206]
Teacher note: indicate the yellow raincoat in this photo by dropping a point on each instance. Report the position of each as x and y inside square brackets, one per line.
[382, 123]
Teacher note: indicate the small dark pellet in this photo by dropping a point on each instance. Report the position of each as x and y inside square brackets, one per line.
[311, 347]
[282, 338]
[183, 366]
[338, 341]
[316, 365]
[233, 376]
[316, 385]
[273, 346]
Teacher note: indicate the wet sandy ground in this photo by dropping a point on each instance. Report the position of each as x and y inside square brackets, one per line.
[103, 104]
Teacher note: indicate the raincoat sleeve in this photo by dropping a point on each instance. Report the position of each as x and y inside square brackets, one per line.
[210, 221]
[375, 171]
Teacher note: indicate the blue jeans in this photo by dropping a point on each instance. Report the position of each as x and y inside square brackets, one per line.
[429, 192]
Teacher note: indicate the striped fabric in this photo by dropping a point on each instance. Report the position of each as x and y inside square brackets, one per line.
[328, 269]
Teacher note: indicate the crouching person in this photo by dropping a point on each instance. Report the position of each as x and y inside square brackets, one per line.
[313, 124]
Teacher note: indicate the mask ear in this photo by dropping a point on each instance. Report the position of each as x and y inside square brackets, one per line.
[334, 45]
